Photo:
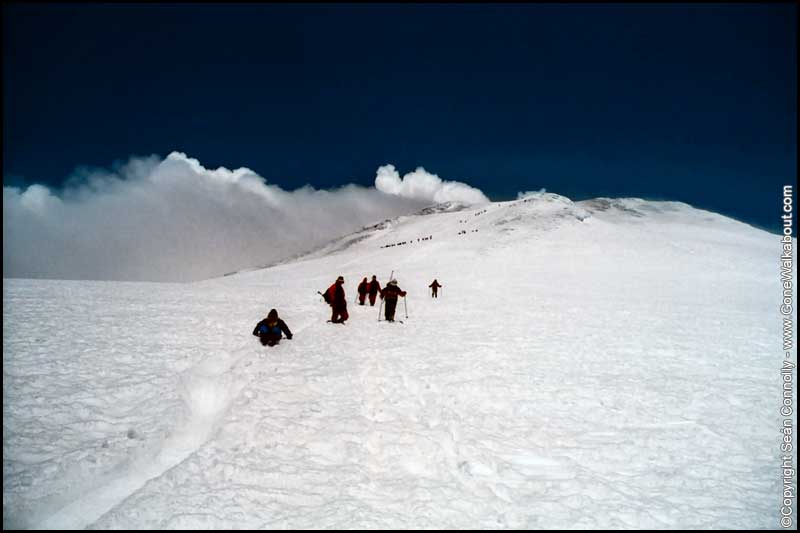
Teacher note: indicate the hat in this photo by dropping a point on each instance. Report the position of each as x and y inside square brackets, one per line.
[393, 282]
[340, 278]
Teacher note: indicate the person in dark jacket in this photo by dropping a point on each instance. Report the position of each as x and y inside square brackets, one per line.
[435, 289]
[363, 288]
[389, 295]
[269, 330]
[374, 289]
[337, 301]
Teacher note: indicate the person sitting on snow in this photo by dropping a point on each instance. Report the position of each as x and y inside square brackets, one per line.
[269, 330]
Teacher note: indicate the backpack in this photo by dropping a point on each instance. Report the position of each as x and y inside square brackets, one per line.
[327, 297]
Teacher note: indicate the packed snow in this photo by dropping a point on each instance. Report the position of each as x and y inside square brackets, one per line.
[613, 363]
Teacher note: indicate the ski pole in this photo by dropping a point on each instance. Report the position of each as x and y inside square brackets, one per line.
[405, 305]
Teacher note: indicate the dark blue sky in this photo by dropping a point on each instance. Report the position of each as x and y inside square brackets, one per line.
[683, 102]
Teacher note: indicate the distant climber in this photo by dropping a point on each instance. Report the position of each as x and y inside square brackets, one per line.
[269, 329]
[374, 289]
[389, 294]
[435, 289]
[363, 288]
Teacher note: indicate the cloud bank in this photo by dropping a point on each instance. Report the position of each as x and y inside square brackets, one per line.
[174, 220]
[529, 194]
[422, 185]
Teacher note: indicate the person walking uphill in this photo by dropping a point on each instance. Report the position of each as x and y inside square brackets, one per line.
[337, 300]
[363, 288]
[374, 289]
[435, 289]
[389, 294]
[269, 330]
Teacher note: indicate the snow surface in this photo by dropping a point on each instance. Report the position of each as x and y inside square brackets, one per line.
[600, 364]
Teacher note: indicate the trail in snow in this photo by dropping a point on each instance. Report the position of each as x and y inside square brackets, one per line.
[208, 390]
[119, 425]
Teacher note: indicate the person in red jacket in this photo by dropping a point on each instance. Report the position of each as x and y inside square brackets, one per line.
[363, 288]
[435, 289]
[389, 295]
[338, 302]
[374, 289]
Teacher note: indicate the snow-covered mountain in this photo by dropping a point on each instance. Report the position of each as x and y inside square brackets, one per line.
[612, 363]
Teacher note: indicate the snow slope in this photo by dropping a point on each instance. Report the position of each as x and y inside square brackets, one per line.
[599, 364]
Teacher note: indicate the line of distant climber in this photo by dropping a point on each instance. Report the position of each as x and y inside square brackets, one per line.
[428, 238]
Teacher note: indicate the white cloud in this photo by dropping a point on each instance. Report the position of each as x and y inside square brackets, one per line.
[38, 200]
[528, 194]
[174, 220]
[422, 185]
